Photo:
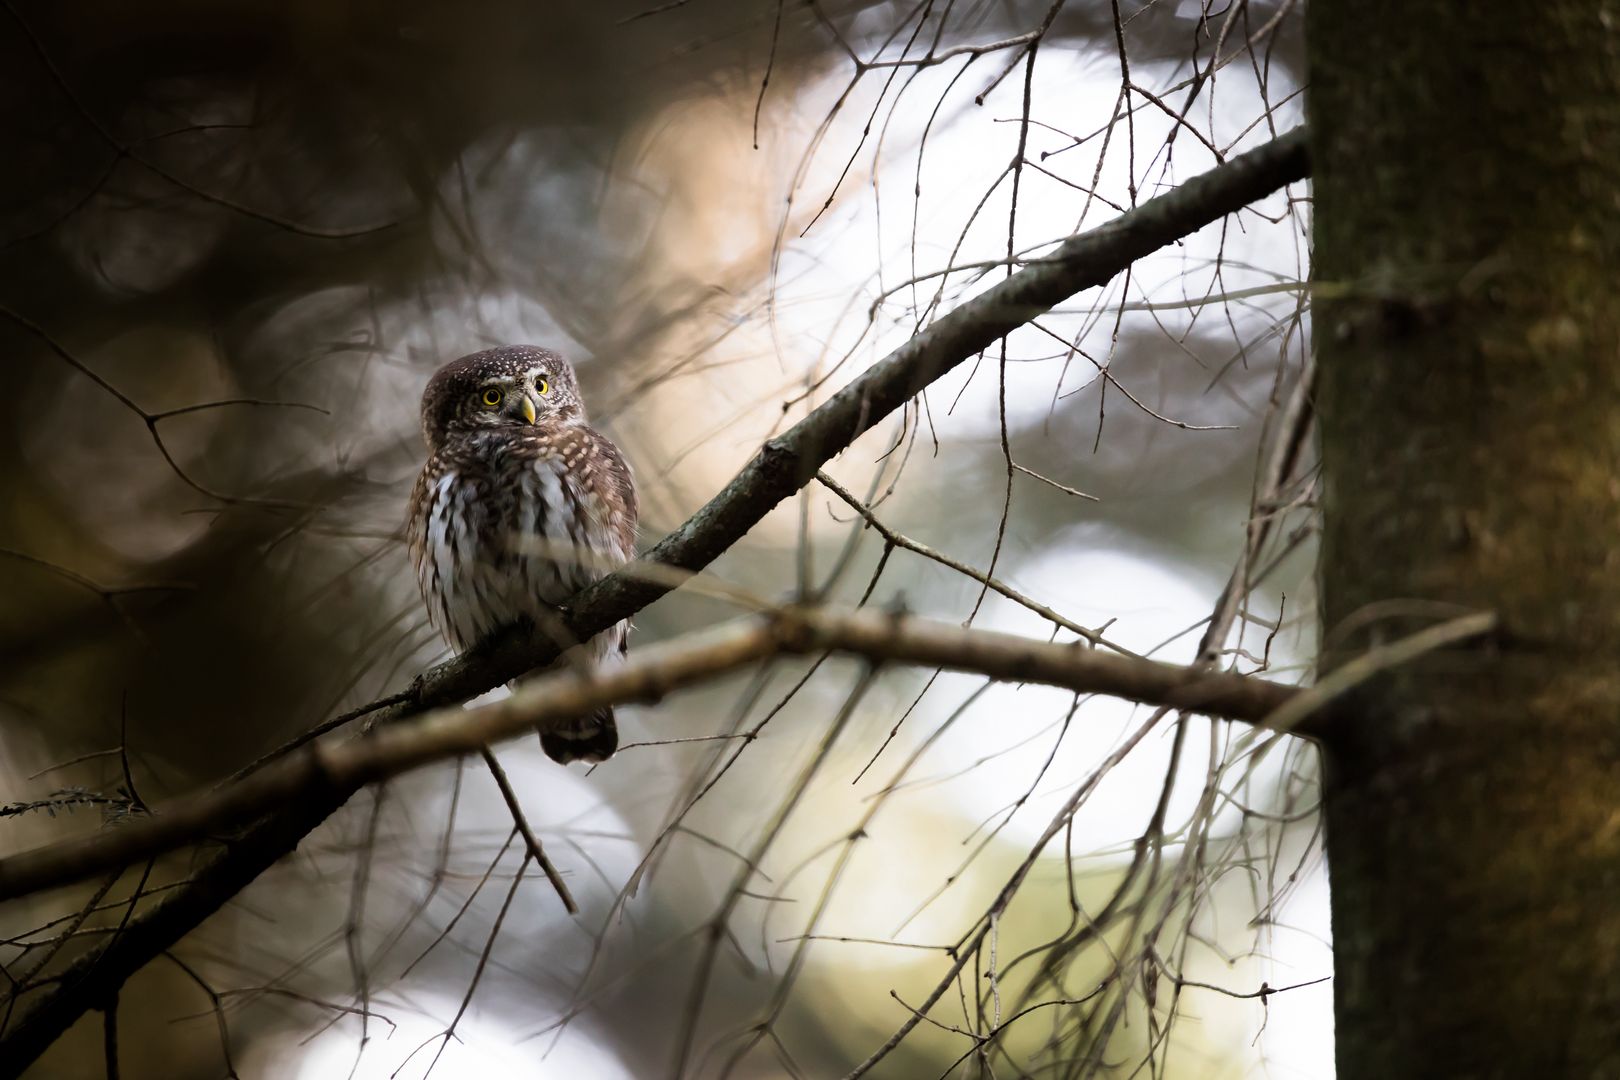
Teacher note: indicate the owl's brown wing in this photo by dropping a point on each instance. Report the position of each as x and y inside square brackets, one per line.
[610, 479]
[604, 472]
[416, 510]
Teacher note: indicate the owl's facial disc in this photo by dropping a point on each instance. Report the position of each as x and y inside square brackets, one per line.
[512, 398]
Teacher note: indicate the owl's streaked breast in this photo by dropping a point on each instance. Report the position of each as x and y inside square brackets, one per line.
[509, 532]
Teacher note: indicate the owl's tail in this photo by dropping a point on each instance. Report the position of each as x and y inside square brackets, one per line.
[592, 738]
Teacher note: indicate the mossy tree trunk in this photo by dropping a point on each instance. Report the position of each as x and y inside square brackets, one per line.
[1467, 239]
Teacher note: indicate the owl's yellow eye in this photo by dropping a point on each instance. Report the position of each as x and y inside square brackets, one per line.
[542, 386]
[491, 397]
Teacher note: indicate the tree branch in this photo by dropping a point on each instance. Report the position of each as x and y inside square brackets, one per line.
[321, 770]
[782, 466]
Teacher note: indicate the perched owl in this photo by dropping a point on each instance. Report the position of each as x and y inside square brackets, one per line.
[521, 505]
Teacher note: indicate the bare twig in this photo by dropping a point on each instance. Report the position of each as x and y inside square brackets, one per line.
[898, 540]
[521, 822]
[109, 1036]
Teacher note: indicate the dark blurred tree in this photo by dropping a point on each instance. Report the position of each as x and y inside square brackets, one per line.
[1467, 178]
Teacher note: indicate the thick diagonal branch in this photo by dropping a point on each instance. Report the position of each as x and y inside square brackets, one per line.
[781, 467]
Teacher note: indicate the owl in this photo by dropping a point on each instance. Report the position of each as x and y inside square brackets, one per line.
[521, 505]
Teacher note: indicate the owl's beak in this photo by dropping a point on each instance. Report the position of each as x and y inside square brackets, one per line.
[528, 408]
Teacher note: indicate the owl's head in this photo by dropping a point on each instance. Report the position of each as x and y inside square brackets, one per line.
[515, 386]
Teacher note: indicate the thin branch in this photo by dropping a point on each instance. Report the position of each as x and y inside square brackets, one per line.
[521, 822]
[1382, 658]
[109, 1036]
[899, 540]
[648, 675]
[216, 1008]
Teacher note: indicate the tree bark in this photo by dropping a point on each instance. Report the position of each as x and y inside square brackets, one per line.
[1467, 244]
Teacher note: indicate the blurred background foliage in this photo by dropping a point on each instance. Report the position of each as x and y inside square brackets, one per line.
[236, 238]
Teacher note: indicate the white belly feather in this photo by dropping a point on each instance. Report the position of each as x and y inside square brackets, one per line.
[488, 558]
